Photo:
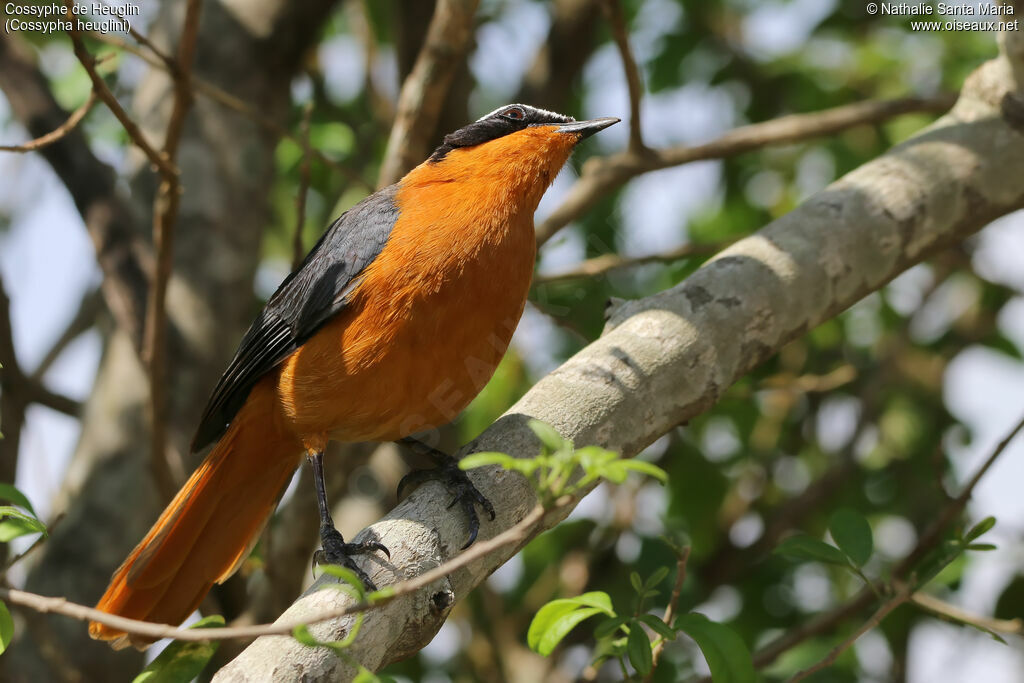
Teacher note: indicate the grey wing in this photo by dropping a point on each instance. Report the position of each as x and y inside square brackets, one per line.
[316, 291]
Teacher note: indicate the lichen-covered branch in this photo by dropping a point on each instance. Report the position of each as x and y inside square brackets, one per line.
[667, 358]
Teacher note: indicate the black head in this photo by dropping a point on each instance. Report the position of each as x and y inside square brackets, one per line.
[509, 119]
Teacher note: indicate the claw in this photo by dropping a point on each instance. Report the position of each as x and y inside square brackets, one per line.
[474, 524]
[374, 545]
[336, 551]
[456, 481]
[414, 479]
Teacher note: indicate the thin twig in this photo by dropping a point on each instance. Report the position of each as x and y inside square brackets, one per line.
[599, 265]
[943, 609]
[298, 248]
[36, 392]
[511, 536]
[601, 176]
[902, 595]
[673, 605]
[19, 391]
[827, 621]
[167, 59]
[933, 534]
[88, 62]
[58, 132]
[236, 104]
[811, 383]
[38, 543]
[617, 21]
[165, 216]
[12, 403]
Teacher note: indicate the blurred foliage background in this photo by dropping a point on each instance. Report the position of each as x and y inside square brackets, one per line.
[885, 409]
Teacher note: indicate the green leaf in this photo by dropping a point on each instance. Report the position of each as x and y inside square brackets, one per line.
[349, 577]
[980, 529]
[13, 495]
[802, 547]
[555, 619]
[658, 626]
[613, 472]
[526, 466]
[6, 627]
[636, 582]
[381, 594]
[545, 641]
[726, 654]
[657, 577]
[644, 467]
[302, 634]
[181, 662]
[547, 435]
[364, 675]
[852, 533]
[609, 626]
[485, 458]
[981, 547]
[597, 599]
[16, 523]
[937, 560]
[594, 457]
[638, 647]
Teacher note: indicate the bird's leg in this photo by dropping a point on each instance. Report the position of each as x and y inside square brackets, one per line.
[447, 471]
[334, 549]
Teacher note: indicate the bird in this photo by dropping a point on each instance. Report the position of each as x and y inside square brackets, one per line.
[390, 326]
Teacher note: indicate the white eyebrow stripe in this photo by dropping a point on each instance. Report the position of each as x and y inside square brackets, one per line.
[528, 108]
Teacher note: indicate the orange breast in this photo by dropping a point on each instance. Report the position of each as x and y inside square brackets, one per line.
[433, 314]
[427, 326]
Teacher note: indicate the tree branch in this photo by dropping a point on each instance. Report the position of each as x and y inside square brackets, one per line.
[234, 103]
[423, 93]
[57, 133]
[88, 62]
[167, 471]
[673, 604]
[667, 358]
[620, 33]
[901, 596]
[599, 265]
[516, 535]
[603, 175]
[553, 72]
[123, 257]
[12, 406]
[927, 542]
[944, 610]
[298, 247]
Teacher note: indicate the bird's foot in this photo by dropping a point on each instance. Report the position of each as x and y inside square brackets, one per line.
[466, 494]
[335, 550]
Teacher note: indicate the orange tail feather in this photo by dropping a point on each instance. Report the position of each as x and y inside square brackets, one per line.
[210, 526]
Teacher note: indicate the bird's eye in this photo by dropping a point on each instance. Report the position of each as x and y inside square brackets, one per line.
[514, 113]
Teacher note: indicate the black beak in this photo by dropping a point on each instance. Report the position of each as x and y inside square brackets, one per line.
[584, 129]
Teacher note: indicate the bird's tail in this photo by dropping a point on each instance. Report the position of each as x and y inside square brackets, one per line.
[210, 526]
